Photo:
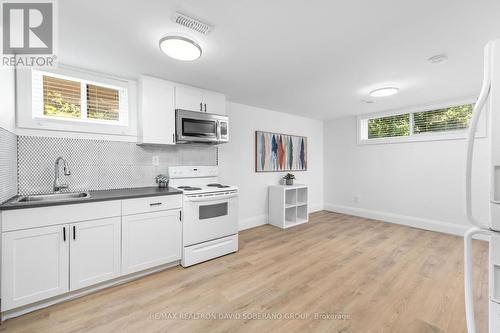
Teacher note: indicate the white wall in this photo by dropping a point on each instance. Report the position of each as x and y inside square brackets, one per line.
[419, 184]
[7, 98]
[8, 140]
[237, 159]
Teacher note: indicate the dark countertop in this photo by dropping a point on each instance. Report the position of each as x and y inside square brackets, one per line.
[105, 195]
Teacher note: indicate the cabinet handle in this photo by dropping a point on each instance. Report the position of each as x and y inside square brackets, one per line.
[64, 234]
[201, 106]
[173, 137]
[74, 233]
[205, 107]
[155, 204]
[180, 215]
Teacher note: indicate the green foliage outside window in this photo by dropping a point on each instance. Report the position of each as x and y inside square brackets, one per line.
[56, 106]
[448, 119]
[102, 103]
[62, 98]
[387, 127]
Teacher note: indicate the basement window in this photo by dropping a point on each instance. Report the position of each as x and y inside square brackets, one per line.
[454, 118]
[389, 126]
[70, 99]
[433, 123]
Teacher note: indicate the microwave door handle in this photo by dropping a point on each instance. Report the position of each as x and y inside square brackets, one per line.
[218, 130]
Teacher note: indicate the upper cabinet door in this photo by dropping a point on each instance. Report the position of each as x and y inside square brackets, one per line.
[156, 111]
[214, 103]
[194, 99]
[35, 265]
[188, 98]
[95, 252]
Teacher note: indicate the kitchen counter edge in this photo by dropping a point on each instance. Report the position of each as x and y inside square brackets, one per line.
[95, 196]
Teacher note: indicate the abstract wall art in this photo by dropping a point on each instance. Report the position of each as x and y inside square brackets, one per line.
[280, 152]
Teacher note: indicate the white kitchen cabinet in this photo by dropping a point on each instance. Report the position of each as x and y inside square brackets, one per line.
[94, 252]
[214, 102]
[35, 265]
[188, 98]
[194, 99]
[49, 252]
[156, 111]
[150, 239]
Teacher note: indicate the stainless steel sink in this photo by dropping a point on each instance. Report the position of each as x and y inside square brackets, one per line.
[53, 197]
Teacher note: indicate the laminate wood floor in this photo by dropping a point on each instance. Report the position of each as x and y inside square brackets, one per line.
[337, 273]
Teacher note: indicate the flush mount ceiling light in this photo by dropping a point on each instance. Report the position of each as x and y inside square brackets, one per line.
[180, 48]
[383, 92]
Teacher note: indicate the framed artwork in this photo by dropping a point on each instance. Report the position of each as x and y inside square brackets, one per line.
[275, 152]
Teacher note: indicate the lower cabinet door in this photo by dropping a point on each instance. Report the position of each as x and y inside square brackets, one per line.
[35, 265]
[150, 239]
[95, 252]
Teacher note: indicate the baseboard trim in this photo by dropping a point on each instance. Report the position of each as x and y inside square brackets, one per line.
[313, 208]
[253, 222]
[411, 221]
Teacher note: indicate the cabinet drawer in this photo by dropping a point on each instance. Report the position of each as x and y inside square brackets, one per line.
[151, 204]
[195, 254]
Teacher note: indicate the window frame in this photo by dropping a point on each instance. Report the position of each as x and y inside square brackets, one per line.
[362, 125]
[27, 124]
[38, 108]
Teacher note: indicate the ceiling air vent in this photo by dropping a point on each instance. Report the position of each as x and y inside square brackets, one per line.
[191, 23]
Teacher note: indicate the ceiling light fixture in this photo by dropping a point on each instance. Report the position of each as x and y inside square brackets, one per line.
[383, 92]
[180, 48]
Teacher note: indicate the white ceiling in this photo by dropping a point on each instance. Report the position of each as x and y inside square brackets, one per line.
[313, 58]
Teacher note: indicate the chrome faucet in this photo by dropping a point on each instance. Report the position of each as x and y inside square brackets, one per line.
[58, 186]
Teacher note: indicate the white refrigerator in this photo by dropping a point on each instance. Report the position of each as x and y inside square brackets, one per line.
[489, 99]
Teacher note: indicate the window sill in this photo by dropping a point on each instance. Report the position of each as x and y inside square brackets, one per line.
[420, 138]
[73, 121]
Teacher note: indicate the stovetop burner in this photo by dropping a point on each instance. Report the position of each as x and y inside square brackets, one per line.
[218, 185]
[189, 188]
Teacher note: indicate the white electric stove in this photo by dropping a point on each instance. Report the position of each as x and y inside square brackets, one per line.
[210, 213]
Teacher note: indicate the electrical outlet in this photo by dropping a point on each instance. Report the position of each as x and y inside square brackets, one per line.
[156, 160]
[355, 199]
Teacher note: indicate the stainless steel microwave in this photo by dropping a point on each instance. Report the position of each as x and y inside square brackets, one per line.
[201, 127]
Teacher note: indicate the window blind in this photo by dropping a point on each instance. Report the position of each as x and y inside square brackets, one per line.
[73, 99]
[447, 119]
[387, 127]
[103, 103]
[61, 98]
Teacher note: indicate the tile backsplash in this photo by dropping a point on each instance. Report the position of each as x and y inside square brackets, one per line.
[8, 165]
[98, 164]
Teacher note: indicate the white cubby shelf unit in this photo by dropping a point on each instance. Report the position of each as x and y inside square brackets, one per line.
[288, 205]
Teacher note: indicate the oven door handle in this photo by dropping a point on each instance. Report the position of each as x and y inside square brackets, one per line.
[212, 198]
